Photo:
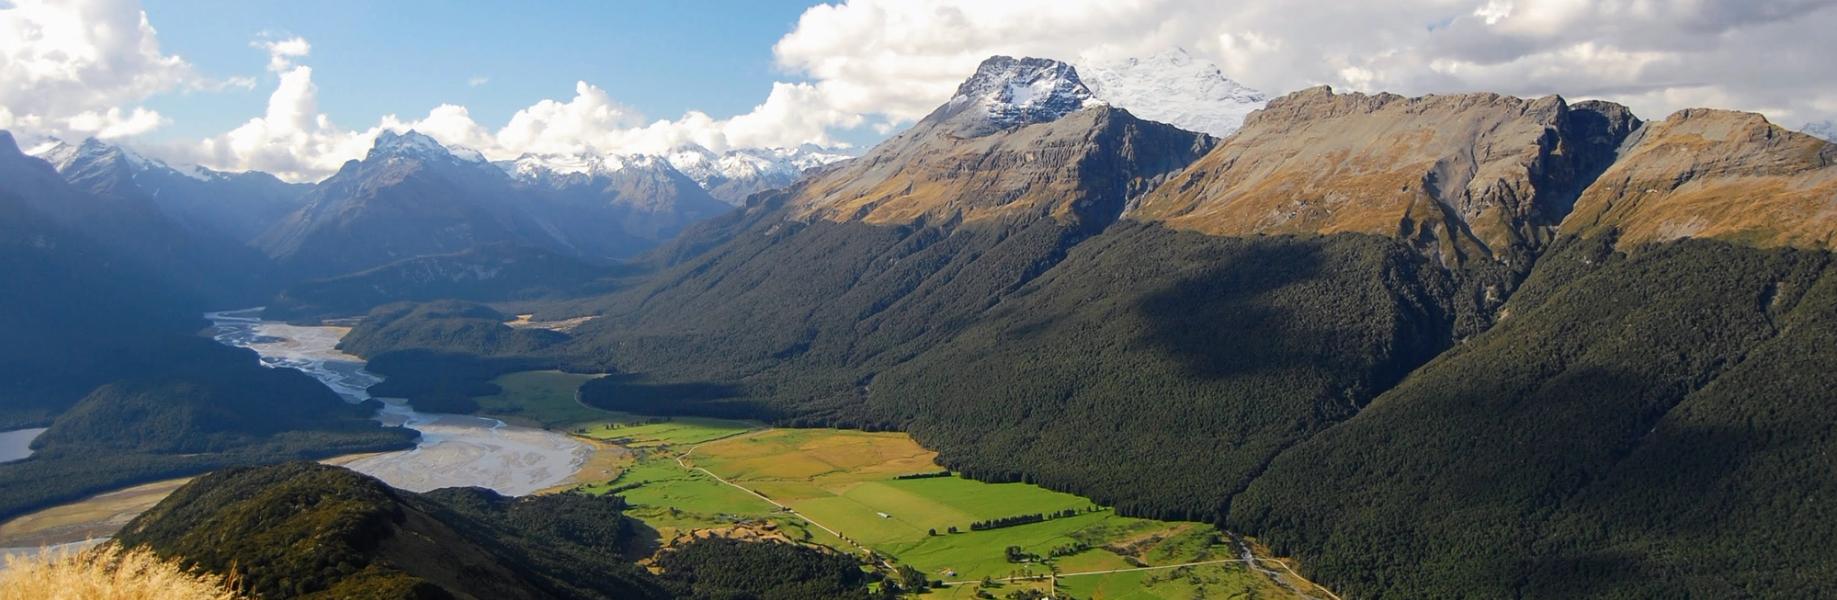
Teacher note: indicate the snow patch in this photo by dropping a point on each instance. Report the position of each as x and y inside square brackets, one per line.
[1008, 92]
[1174, 88]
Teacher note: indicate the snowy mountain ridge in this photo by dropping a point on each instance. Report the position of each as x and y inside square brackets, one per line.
[1175, 88]
[62, 154]
[729, 176]
[416, 145]
[1171, 87]
[1007, 92]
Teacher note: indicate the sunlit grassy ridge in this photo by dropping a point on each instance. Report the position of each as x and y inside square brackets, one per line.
[106, 573]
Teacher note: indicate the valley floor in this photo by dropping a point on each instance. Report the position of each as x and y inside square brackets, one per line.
[883, 495]
[879, 495]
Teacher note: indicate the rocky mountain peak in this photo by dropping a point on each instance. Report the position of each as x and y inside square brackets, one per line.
[1460, 176]
[413, 144]
[1008, 92]
[93, 153]
[733, 175]
[579, 167]
[1081, 169]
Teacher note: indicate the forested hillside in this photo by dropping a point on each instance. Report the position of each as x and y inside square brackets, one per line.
[303, 530]
[107, 354]
[1628, 430]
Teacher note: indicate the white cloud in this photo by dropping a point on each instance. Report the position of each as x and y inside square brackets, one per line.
[291, 139]
[282, 52]
[81, 67]
[897, 60]
[294, 141]
[76, 68]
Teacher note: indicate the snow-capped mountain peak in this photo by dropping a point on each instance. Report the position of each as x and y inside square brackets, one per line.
[1173, 87]
[62, 154]
[417, 145]
[536, 167]
[733, 175]
[1009, 92]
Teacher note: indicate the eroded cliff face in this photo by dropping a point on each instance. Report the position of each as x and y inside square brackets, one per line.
[1716, 174]
[1462, 177]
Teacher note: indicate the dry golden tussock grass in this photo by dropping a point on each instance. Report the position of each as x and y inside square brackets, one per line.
[106, 573]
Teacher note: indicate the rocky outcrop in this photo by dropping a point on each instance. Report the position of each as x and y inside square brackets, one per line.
[1715, 174]
[1462, 177]
[1080, 169]
[1010, 92]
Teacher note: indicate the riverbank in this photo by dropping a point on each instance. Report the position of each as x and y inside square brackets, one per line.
[454, 450]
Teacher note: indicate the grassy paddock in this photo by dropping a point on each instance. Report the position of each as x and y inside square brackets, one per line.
[849, 481]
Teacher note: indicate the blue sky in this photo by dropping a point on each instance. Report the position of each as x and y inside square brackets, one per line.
[405, 57]
[771, 73]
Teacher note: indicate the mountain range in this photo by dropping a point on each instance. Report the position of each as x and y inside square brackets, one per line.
[1430, 346]
[1466, 345]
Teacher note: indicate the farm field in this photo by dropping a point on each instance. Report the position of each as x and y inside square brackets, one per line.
[850, 481]
[881, 491]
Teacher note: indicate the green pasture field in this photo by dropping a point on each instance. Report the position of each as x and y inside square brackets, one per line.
[544, 398]
[850, 481]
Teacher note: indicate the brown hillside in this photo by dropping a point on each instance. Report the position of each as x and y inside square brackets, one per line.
[1716, 174]
[1083, 166]
[1460, 176]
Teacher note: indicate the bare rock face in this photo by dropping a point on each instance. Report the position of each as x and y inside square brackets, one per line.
[1716, 174]
[997, 153]
[1462, 177]
[1008, 92]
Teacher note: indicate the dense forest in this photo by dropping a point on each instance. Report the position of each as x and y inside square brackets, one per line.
[1337, 395]
[492, 272]
[1627, 415]
[723, 569]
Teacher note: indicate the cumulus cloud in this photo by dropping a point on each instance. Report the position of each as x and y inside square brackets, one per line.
[898, 59]
[282, 52]
[293, 140]
[78, 67]
[82, 67]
